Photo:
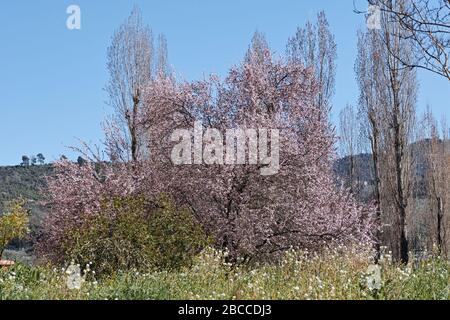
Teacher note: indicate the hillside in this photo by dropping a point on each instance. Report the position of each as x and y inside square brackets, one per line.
[22, 181]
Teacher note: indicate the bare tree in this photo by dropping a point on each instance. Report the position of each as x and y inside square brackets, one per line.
[426, 23]
[367, 67]
[400, 117]
[388, 99]
[348, 138]
[443, 223]
[314, 46]
[162, 64]
[130, 58]
[436, 154]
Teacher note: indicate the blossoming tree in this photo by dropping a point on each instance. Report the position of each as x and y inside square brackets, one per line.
[252, 215]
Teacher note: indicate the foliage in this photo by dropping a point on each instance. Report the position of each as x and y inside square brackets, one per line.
[128, 233]
[116, 238]
[333, 274]
[176, 235]
[14, 224]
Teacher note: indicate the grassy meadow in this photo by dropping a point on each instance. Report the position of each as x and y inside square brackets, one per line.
[331, 275]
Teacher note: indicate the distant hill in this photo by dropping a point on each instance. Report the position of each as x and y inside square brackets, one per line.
[363, 166]
[22, 181]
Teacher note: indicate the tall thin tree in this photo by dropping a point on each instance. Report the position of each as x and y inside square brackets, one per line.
[130, 58]
[388, 99]
[314, 46]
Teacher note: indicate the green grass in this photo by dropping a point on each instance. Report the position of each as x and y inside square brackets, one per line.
[334, 275]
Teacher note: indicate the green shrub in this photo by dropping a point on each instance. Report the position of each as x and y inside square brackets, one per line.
[176, 235]
[130, 234]
[14, 224]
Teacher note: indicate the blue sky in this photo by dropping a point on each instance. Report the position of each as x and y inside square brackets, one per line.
[52, 79]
